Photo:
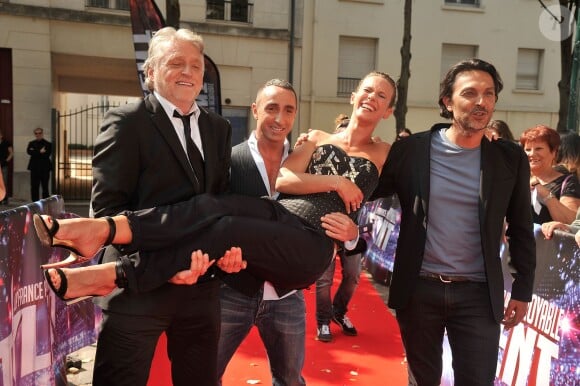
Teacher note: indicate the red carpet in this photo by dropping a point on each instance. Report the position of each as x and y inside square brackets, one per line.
[374, 357]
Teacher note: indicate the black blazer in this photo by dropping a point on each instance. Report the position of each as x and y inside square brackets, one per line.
[245, 179]
[140, 163]
[39, 162]
[504, 193]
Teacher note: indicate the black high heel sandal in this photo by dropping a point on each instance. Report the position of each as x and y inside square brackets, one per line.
[47, 237]
[120, 281]
[60, 292]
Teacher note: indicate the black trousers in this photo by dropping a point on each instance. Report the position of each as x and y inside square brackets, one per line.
[127, 342]
[279, 246]
[463, 310]
[39, 178]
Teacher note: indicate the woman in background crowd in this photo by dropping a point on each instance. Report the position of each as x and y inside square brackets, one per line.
[499, 129]
[555, 195]
[569, 153]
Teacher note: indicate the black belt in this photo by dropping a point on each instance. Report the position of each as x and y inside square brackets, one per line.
[443, 278]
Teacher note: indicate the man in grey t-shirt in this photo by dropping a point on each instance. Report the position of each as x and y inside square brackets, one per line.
[455, 188]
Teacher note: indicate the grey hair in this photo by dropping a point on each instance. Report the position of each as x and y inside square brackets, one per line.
[159, 39]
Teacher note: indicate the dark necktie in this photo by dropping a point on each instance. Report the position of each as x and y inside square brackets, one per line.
[195, 158]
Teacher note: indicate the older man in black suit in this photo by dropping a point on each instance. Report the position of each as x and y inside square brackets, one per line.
[455, 188]
[145, 156]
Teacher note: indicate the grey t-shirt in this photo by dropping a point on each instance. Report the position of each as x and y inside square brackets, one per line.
[453, 244]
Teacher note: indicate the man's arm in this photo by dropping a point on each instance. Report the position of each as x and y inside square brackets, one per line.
[116, 166]
[30, 149]
[522, 244]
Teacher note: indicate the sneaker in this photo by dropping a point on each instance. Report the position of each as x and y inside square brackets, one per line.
[323, 333]
[344, 322]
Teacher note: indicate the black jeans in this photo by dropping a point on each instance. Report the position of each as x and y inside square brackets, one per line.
[464, 310]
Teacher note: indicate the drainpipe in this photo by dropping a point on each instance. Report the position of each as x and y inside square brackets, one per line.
[313, 67]
[292, 31]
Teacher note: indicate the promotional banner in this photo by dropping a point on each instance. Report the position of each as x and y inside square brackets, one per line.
[545, 348]
[384, 215]
[37, 331]
[146, 19]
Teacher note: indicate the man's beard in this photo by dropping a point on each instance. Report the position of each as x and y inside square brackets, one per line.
[467, 129]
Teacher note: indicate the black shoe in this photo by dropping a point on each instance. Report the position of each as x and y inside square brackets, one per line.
[323, 333]
[344, 322]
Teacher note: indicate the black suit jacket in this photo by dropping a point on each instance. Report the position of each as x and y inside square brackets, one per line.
[140, 163]
[245, 179]
[504, 193]
[39, 162]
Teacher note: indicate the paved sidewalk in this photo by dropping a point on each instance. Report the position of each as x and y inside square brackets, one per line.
[80, 366]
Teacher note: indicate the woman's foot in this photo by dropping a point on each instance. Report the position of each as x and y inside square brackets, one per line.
[83, 237]
[73, 284]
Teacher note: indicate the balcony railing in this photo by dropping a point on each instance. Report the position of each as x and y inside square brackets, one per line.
[234, 10]
[122, 5]
[346, 86]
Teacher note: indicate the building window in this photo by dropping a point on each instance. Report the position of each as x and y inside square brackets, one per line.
[529, 69]
[233, 10]
[356, 58]
[122, 5]
[467, 3]
[452, 54]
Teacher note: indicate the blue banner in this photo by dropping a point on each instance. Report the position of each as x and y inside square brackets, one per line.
[37, 331]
